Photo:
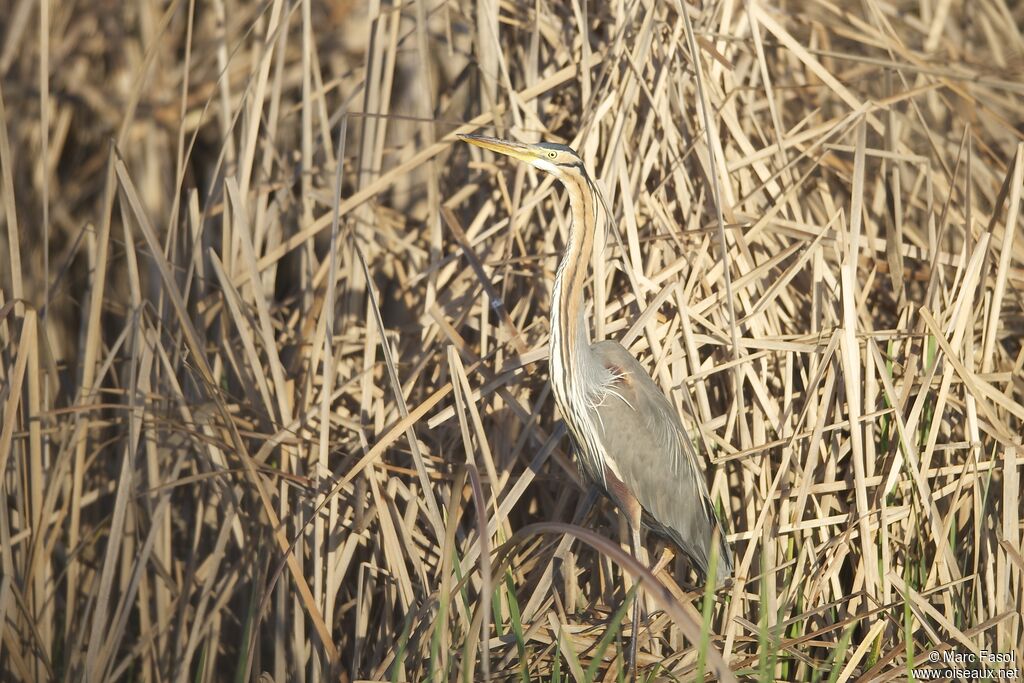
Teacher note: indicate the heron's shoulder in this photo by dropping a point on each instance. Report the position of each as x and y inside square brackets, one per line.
[630, 381]
[615, 356]
[620, 362]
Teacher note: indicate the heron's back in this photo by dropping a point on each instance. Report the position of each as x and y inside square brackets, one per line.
[647, 449]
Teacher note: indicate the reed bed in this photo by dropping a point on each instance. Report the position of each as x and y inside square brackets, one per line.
[273, 344]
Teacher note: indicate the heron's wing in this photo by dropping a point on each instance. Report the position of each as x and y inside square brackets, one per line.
[652, 454]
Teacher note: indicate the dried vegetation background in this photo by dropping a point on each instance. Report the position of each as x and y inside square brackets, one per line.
[273, 382]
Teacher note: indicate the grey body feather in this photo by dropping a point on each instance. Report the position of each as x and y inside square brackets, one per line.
[646, 443]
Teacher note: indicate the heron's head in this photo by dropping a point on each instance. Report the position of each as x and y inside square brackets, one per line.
[550, 157]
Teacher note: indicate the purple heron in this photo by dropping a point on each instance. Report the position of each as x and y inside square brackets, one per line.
[629, 439]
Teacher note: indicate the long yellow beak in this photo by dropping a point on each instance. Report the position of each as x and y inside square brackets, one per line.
[516, 150]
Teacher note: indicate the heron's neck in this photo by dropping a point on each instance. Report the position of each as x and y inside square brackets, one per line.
[570, 338]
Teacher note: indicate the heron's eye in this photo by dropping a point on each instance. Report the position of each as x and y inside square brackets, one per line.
[552, 155]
